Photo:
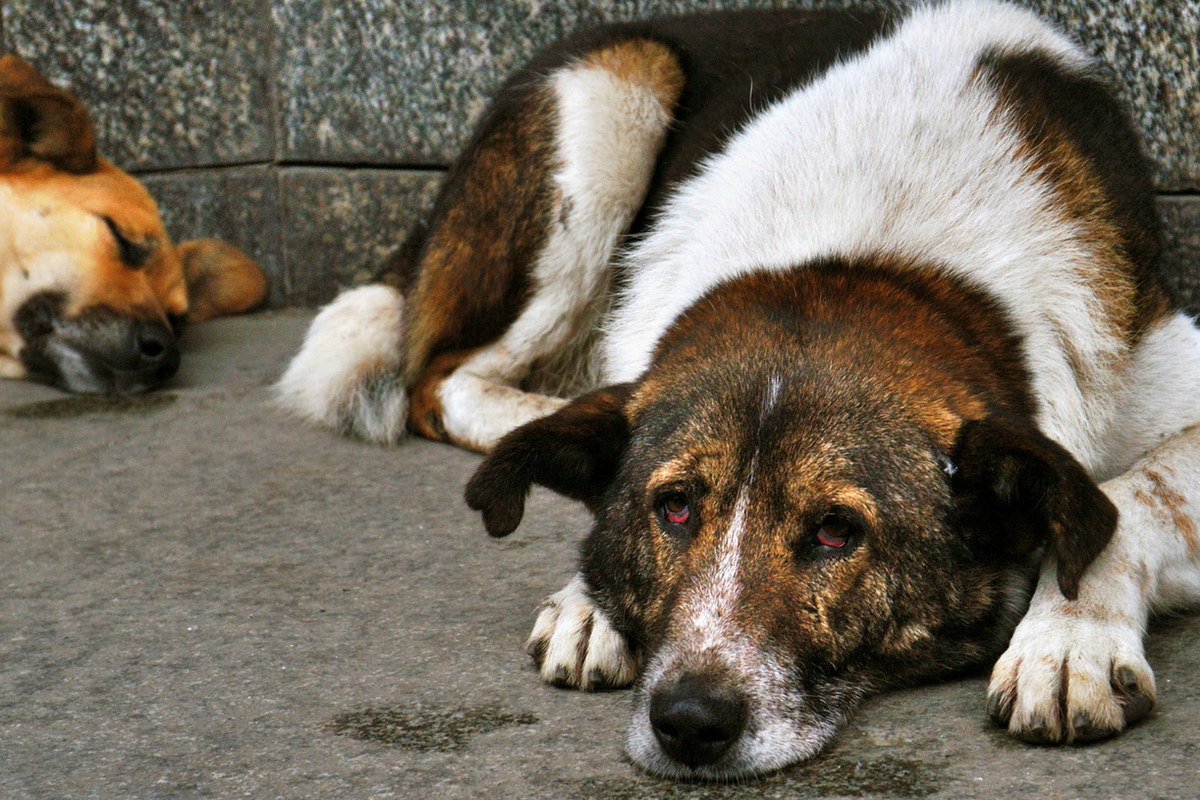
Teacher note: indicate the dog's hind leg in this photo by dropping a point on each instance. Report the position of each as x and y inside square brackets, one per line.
[511, 271]
[1076, 670]
[606, 116]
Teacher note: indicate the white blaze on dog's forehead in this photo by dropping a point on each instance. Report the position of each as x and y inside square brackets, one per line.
[770, 397]
[708, 610]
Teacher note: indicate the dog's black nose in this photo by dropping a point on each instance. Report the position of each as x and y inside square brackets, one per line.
[696, 719]
[156, 350]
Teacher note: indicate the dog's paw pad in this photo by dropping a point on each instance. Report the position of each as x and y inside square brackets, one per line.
[1077, 680]
[575, 646]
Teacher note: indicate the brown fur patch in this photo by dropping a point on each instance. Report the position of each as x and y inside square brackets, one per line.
[424, 408]
[76, 205]
[1097, 177]
[41, 122]
[645, 63]
[1168, 505]
[220, 279]
[486, 230]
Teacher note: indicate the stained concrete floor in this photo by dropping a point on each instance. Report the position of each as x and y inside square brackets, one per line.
[202, 598]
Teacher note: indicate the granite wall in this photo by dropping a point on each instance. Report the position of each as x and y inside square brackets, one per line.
[314, 132]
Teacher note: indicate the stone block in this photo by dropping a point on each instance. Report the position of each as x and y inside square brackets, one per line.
[339, 225]
[1180, 264]
[315, 231]
[238, 205]
[400, 81]
[169, 84]
[377, 81]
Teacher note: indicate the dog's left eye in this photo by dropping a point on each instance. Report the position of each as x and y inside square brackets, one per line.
[132, 254]
[834, 536]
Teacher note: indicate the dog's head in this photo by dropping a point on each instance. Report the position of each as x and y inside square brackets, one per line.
[92, 291]
[806, 499]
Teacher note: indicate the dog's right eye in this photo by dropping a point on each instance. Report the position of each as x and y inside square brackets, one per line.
[676, 510]
[676, 513]
[132, 254]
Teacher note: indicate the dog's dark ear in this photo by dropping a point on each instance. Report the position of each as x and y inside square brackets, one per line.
[575, 451]
[1016, 490]
[40, 121]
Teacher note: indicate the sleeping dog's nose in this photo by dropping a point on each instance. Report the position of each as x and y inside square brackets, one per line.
[696, 719]
[156, 351]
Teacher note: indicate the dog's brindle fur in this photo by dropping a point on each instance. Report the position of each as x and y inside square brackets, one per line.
[92, 291]
[858, 404]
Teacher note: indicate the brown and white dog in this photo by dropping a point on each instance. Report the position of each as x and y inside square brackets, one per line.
[92, 291]
[880, 383]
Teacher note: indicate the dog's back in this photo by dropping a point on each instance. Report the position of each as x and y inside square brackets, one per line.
[973, 140]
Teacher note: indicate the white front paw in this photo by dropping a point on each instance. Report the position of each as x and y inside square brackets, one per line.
[1071, 674]
[574, 644]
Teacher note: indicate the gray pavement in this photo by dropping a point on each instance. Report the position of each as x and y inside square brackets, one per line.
[202, 598]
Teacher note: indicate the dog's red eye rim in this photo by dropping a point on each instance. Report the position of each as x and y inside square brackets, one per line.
[675, 509]
[834, 533]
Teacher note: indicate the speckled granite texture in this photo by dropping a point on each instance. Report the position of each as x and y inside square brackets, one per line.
[170, 84]
[283, 94]
[369, 80]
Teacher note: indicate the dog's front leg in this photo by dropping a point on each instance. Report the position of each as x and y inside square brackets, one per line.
[1076, 670]
[574, 644]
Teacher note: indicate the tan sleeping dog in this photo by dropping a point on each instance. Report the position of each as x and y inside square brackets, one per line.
[92, 291]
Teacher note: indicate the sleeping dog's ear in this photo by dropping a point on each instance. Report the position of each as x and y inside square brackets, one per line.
[1017, 490]
[221, 280]
[575, 451]
[40, 121]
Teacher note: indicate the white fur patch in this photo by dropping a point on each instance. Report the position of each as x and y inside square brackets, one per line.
[608, 135]
[579, 646]
[347, 374]
[782, 729]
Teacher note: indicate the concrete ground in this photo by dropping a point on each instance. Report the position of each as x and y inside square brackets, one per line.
[202, 598]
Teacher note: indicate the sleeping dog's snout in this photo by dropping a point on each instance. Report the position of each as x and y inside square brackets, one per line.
[98, 350]
[697, 718]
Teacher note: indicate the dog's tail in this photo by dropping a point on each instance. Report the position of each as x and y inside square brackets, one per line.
[349, 373]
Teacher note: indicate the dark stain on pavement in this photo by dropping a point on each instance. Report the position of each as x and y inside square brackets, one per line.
[825, 777]
[85, 404]
[418, 728]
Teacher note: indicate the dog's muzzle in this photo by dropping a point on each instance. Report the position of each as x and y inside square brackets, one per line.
[98, 351]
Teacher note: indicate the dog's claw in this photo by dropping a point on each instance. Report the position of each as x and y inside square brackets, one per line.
[562, 677]
[1127, 680]
[999, 707]
[1035, 731]
[1137, 707]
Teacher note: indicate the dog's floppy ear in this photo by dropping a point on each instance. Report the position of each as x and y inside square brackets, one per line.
[1016, 490]
[221, 279]
[40, 121]
[575, 451]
